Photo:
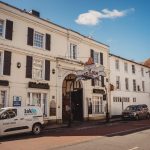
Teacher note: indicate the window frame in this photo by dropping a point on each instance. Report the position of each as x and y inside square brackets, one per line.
[143, 86]
[134, 85]
[118, 83]
[8, 117]
[1, 62]
[4, 102]
[73, 51]
[52, 108]
[134, 99]
[97, 104]
[133, 69]
[35, 41]
[142, 72]
[96, 57]
[3, 30]
[117, 65]
[127, 84]
[42, 69]
[97, 82]
[41, 100]
[8, 114]
[125, 66]
[12, 110]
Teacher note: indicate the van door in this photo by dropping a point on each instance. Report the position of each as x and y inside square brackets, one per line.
[9, 122]
[25, 120]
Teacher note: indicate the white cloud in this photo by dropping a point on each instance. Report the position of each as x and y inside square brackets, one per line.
[90, 18]
[93, 17]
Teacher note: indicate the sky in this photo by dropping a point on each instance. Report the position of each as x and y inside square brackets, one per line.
[124, 25]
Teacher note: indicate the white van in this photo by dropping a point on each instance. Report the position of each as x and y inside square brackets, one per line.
[21, 119]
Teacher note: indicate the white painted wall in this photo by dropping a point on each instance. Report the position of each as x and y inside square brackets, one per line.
[60, 41]
[142, 97]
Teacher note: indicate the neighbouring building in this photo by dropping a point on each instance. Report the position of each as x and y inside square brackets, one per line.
[129, 84]
[38, 64]
[147, 62]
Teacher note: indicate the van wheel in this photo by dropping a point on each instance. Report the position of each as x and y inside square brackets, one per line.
[137, 117]
[36, 129]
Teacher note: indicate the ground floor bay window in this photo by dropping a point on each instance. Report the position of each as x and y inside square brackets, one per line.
[38, 99]
[3, 98]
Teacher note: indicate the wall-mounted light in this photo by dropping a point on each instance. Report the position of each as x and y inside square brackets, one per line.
[53, 97]
[18, 65]
[53, 71]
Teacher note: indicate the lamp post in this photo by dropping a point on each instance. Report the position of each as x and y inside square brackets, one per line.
[70, 111]
[107, 108]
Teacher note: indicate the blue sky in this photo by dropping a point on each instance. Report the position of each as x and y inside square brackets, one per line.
[124, 25]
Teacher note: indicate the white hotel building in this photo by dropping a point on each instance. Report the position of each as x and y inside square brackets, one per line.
[38, 64]
[130, 84]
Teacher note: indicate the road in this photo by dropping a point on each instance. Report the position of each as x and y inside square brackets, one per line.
[127, 135]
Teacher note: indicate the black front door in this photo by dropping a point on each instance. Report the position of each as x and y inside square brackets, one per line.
[77, 105]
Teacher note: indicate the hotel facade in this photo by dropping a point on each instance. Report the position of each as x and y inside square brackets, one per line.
[39, 61]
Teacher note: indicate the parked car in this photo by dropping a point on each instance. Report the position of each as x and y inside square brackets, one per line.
[21, 119]
[137, 112]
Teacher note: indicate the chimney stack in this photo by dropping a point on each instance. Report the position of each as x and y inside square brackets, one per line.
[35, 13]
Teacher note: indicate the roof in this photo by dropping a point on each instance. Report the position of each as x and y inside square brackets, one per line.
[24, 11]
[90, 61]
[147, 62]
[129, 60]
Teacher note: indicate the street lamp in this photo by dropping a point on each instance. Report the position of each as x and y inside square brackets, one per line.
[107, 110]
[70, 103]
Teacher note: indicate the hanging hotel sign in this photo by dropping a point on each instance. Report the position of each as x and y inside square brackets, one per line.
[91, 71]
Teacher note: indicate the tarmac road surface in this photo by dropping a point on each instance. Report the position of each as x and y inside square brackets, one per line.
[126, 135]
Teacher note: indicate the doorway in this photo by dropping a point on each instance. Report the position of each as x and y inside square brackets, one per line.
[77, 105]
[72, 96]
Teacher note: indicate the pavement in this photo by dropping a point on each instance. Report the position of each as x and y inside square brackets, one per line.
[50, 126]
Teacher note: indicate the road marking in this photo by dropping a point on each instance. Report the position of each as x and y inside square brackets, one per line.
[124, 131]
[84, 128]
[94, 126]
[134, 148]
